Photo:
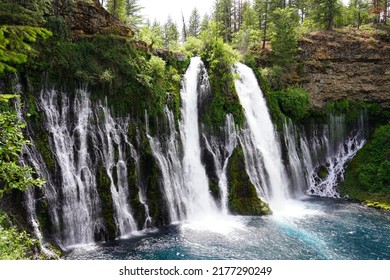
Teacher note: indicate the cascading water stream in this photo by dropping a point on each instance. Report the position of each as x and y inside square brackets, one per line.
[317, 161]
[221, 158]
[80, 203]
[113, 138]
[184, 178]
[259, 141]
[200, 202]
[169, 160]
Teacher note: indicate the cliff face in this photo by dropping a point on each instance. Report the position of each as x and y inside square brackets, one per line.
[338, 66]
[89, 18]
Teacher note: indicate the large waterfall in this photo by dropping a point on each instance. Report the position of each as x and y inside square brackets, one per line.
[259, 140]
[184, 179]
[200, 202]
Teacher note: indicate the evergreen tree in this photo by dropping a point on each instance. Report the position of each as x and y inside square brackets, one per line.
[171, 35]
[262, 10]
[184, 29]
[325, 11]
[248, 18]
[117, 8]
[284, 38]
[133, 14]
[194, 23]
[223, 14]
[205, 22]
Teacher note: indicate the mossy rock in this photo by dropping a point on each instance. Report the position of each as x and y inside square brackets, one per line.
[367, 177]
[322, 172]
[243, 198]
[103, 188]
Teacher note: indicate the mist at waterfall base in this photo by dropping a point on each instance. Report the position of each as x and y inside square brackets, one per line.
[301, 227]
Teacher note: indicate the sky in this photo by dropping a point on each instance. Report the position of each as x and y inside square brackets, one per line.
[160, 9]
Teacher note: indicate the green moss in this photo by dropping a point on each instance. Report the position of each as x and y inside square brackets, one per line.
[367, 177]
[103, 188]
[322, 172]
[243, 198]
[150, 176]
[214, 189]
[136, 205]
[43, 216]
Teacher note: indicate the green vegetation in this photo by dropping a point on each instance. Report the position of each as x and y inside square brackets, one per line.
[367, 177]
[243, 198]
[134, 78]
[284, 41]
[13, 176]
[14, 244]
[218, 57]
[294, 102]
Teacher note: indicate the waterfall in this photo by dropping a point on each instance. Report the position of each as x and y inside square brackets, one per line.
[259, 141]
[300, 162]
[184, 179]
[113, 137]
[83, 136]
[200, 202]
[32, 158]
[317, 161]
[80, 203]
[169, 160]
[340, 146]
[221, 153]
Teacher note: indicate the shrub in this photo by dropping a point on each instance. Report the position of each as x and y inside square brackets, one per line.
[294, 102]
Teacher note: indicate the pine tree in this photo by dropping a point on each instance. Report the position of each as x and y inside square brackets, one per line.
[117, 8]
[248, 15]
[325, 11]
[133, 14]
[171, 35]
[223, 14]
[284, 38]
[205, 22]
[194, 23]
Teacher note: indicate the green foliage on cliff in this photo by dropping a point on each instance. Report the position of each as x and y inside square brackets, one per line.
[368, 175]
[14, 244]
[219, 58]
[13, 176]
[19, 29]
[294, 102]
[243, 198]
[135, 80]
